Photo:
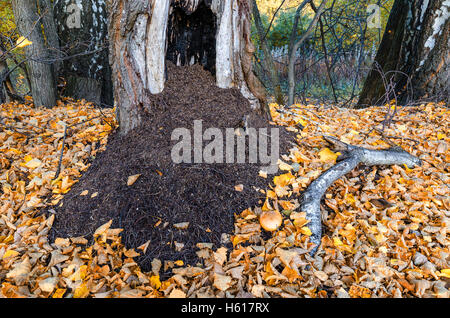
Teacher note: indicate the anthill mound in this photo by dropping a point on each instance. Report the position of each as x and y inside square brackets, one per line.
[166, 194]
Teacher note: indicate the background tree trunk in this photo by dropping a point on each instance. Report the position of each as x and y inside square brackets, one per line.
[83, 32]
[50, 31]
[3, 74]
[268, 59]
[295, 44]
[140, 45]
[42, 77]
[414, 54]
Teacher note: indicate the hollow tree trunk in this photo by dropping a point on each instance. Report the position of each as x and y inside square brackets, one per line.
[83, 32]
[214, 33]
[414, 54]
[42, 79]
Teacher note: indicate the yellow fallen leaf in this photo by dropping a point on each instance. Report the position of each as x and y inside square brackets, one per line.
[59, 293]
[306, 231]
[445, 273]
[326, 155]
[283, 180]
[10, 253]
[337, 241]
[155, 282]
[23, 42]
[81, 292]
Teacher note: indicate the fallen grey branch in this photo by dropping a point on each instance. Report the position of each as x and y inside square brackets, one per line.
[351, 157]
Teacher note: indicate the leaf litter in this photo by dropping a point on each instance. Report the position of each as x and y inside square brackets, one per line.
[386, 228]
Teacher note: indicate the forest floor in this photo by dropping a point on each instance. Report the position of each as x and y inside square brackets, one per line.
[385, 228]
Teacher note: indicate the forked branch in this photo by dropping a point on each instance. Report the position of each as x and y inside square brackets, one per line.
[351, 157]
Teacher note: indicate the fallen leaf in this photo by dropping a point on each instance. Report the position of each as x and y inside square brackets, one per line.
[133, 179]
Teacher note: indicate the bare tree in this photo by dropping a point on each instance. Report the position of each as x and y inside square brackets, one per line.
[295, 44]
[268, 59]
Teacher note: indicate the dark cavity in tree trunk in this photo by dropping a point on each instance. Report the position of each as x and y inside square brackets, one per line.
[192, 37]
[213, 33]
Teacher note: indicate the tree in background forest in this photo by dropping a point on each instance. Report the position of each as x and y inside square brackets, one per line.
[413, 61]
[335, 46]
[39, 63]
[83, 34]
[67, 45]
[304, 48]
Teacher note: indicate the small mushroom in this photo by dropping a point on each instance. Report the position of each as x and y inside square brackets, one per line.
[270, 220]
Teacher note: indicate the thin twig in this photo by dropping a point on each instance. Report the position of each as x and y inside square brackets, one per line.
[62, 153]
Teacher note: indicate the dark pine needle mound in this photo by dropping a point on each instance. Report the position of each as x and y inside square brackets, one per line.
[166, 193]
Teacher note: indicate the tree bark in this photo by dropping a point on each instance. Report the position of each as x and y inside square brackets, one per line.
[413, 55]
[3, 75]
[83, 32]
[268, 59]
[139, 45]
[42, 78]
[295, 45]
[50, 31]
[351, 157]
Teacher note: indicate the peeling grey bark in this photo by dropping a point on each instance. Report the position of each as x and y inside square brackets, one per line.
[42, 78]
[352, 157]
[414, 54]
[85, 43]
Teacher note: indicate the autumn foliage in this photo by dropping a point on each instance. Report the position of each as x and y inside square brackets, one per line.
[386, 228]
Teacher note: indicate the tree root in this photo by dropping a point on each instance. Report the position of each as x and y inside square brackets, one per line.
[351, 157]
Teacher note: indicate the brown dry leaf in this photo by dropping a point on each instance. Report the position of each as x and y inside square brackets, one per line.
[102, 229]
[49, 284]
[177, 293]
[133, 179]
[221, 255]
[144, 247]
[222, 282]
